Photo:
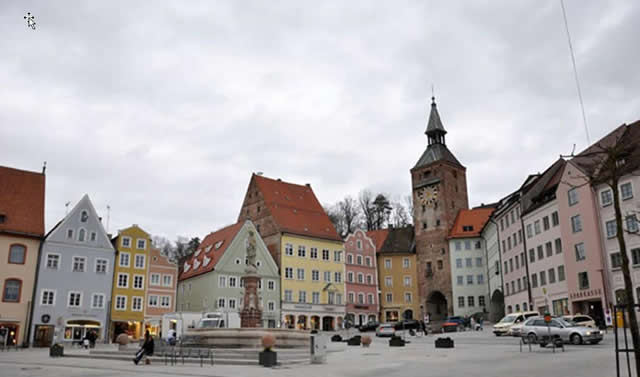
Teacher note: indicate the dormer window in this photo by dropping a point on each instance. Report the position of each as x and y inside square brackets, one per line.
[467, 228]
[218, 244]
[84, 216]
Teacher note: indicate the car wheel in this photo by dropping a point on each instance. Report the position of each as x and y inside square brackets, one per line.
[532, 338]
[576, 339]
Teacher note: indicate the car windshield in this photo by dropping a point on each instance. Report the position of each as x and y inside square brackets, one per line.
[566, 323]
[508, 319]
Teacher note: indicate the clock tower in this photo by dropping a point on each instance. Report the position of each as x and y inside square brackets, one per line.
[439, 186]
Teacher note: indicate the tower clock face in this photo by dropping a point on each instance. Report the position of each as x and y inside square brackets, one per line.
[428, 195]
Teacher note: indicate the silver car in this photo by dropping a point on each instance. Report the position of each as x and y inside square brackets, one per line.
[536, 329]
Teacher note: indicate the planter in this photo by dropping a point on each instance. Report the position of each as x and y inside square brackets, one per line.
[396, 341]
[444, 343]
[354, 341]
[56, 350]
[336, 338]
[268, 359]
[366, 341]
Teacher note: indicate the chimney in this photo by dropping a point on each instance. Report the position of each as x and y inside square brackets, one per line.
[44, 167]
[308, 185]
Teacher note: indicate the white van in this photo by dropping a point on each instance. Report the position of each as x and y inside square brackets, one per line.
[220, 320]
[503, 327]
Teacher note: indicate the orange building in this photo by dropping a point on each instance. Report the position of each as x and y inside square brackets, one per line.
[161, 291]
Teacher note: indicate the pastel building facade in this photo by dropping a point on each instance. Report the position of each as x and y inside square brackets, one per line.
[162, 280]
[212, 278]
[491, 240]
[75, 279]
[514, 264]
[21, 232]
[361, 283]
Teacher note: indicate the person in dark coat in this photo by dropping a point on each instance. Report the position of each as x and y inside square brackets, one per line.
[146, 349]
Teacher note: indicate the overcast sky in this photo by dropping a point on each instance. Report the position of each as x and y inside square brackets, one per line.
[162, 110]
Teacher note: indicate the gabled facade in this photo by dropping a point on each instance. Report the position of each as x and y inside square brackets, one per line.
[75, 277]
[133, 247]
[468, 262]
[212, 278]
[162, 280]
[305, 245]
[361, 284]
[21, 232]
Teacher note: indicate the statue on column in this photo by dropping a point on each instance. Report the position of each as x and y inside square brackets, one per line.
[251, 314]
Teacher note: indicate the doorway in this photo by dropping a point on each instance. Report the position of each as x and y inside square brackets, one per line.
[43, 336]
[437, 306]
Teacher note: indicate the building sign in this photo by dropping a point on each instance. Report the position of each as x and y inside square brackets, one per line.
[302, 306]
[577, 296]
[365, 307]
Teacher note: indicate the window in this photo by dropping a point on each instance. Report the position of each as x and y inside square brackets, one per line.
[360, 298]
[504, 246]
[330, 298]
[616, 260]
[532, 255]
[167, 280]
[461, 301]
[478, 245]
[351, 297]
[81, 235]
[632, 224]
[302, 251]
[511, 265]
[349, 258]
[93, 236]
[370, 299]
[124, 259]
[560, 273]
[138, 282]
[543, 278]
[271, 285]
[405, 263]
[545, 223]
[552, 275]
[165, 301]
[580, 252]
[549, 247]
[313, 253]
[288, 249]
[53, 261]
[460, 280]
[583, 280]
[369, 279]
[536, 226]
[481, 301]
[97, 301]
[389, 297]
[540, 252]
[388, 281]
[337, 277]
[529, 231]
[519, 285]
[271, 306]
[558, 245]
[626, 191]
[141, 244]
[469, 279]
[126, 242]
[458, 245]
[387, 263]
[17, 254]
[555, 219]
[288, 295]
[153, 301]
[75, 299]
[573, 196]
[635, 256]
[480, 279]
[78, 264]
[233, 281]
[121, 302]
[48, 297]
[315, 297]
[469, 262]
[288, 273]
[458, 262]
[611, 228]
[576, 224]
[69, 233]
[123, 280]
[407, 297]
[222, 302]
[359, 259]
[407, 281]
[325, 254]
[327, 276]
[471, 301]
[478, 261]
[222, 281]
[84, 216]
[467, 245]
[302, 297]
[367, 261]
[506, 267]
[139, 263]
[337, 256]
[606, 198]
[534, 280]
[300, 273]
[101, 265]
[349, 277]
[509, 242]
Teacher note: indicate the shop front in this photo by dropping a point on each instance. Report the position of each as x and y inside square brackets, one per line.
[588, 302]
[134, 329]
[9, 332]
[75, 330]
[312, 317]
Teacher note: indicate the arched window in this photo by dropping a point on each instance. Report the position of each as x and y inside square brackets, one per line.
[81, 235]
[84, 216]
[12, 289]
[509, 309]
[360, 298]
[17, 254]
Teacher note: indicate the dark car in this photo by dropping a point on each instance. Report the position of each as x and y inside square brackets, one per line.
[369, 326]
[457, 319]
[407, 324]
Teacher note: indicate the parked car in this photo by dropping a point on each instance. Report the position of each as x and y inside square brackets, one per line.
[457, 319]
[515, 330]
[385, 329]
[535, 329]
[581, 320]
[407, 324]
[369, 326]
[504, 325]
[451, 326]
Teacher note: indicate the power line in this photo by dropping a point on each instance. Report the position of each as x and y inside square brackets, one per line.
[575, 73]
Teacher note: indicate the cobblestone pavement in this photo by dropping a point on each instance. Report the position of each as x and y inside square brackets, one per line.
[475, 354]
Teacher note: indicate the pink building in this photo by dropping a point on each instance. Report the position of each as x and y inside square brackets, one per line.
[161, 292]
[361, 284]
[512, 249]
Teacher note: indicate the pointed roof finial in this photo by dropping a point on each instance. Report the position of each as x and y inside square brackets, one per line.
[433, 100]
[434, 124]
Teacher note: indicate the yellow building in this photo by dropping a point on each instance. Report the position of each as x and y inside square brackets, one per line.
[129, 281]
[397, 277]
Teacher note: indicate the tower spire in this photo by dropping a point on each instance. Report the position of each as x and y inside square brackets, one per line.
[435, 130]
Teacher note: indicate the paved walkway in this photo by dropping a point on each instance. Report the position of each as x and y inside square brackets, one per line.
[475, 354]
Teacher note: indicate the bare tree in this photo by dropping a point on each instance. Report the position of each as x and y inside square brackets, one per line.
[365, 199]
[382, 211]
[400, 217]
[350, 213]
[336, 217]
[408, 201]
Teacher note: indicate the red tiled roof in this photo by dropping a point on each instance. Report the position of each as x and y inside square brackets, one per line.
[226, 235]
[476, 218]
[378, 237]
[295, 208]
[22, 201]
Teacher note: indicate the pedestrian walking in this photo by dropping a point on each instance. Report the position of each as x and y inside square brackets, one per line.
[146, 349]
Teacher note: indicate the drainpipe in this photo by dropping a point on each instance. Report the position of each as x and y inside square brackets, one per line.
[526, 256]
